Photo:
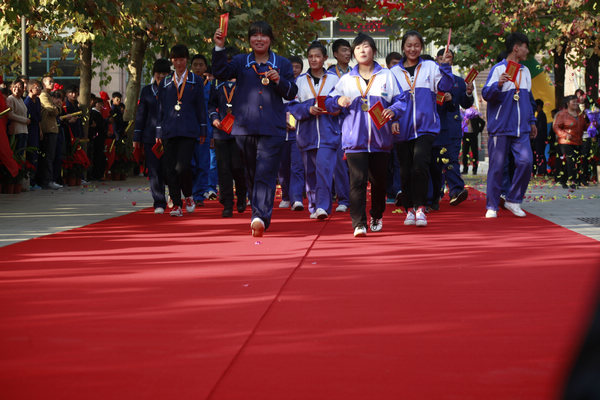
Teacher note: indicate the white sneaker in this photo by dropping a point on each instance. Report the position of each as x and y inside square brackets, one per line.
[210, 195]
[54, 186]
[284, 204]
[176, 212]
[491, 214]
[313, 215]
[420, 218]
[376, 224]
[297, 206]
[258, 227]
[190, 205]
[321, 214]
[360, 231]
[341, 208]
[410, 218]
[159, 210]
[515, 208]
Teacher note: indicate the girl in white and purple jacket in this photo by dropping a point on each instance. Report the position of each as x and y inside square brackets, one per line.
[367, 148]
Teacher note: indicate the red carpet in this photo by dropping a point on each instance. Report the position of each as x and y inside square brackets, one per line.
[151, 307]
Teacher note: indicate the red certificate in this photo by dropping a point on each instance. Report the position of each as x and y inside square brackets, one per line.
[321, 102]
[158, 150]
[376, 113]
[223, 24]
[439, 98]
[472, 75]
[512, 69]
[227, 123]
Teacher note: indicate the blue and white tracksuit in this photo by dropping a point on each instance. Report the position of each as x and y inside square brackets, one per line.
[509, 125]
[367, 148]
[318, 138]
[419, 126]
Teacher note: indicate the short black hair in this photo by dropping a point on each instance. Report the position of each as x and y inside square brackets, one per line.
[162, 65]
[296, 59]
[116, 94]
[443, 50]
[568, 99]
[412, 33]
[72, 89]
[317, 45]
[579, 91]
[539, 102]
[426, 57]
[260, 27]
[201, 57]
[33, 83]
[179, 51]
[340, 43]
[514, 39]
[360, 39]
[394, 55]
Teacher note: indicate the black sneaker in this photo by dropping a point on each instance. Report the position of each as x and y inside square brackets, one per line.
[459, 198]
[227, 213]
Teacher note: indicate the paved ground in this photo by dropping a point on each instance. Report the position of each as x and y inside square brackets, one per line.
[33, 214]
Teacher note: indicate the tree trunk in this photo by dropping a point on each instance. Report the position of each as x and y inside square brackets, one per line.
[559, 76]
[132, 93]
[85, 83]
[591, 76]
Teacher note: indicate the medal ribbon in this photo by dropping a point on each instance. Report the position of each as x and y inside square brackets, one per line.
[260, 73]
[180, 92]
[414, 82]
[518, 83]
[229, 97]
[312, 88]
[339, 72]
[364, 95]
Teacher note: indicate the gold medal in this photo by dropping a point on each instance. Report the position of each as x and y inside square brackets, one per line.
[265, 81]
[516, 97]
[364, 107]
[177, 107]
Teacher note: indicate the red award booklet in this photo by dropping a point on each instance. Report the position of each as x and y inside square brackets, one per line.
[223, 24]
[512, 69]
[321, 102]
[227, 123]
[439, 98]
[158, 150]
[376, 113]
[471, 76]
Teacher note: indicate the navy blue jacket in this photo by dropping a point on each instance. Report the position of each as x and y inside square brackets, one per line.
[190, 121]
[146, 116]
[449, 112]
[34, 111]
[217, 107]
[76, 127]
[258, 109]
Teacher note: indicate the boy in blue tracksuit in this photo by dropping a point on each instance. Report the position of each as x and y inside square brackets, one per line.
[367, 148]
[264, 79]
[419, 126]
[291, 169]
[144, 134]
[446, 146]
[229, 158]
[511, 122]
[317, 132]
[342, 51]
[204, 164]
[181, 123]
